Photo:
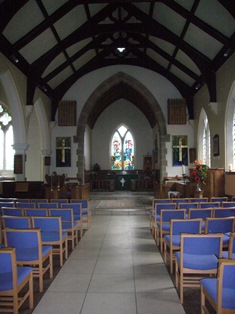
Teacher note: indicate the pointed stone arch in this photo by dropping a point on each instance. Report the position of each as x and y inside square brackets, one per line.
[121, 85]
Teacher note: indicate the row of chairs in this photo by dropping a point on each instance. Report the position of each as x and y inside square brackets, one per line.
[71, 220]
[50, 203]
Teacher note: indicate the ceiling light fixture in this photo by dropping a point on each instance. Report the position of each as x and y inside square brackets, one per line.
[121, 49]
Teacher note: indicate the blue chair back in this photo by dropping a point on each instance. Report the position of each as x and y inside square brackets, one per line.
[22, 200]
[219, 199]
[47, 205]
[36, 201]
[22, 238]
[81, 201]
[187, 206]
[161, 201]
[36, 212]
[199, 199]
[7, 204]
[186, 226]
[16, 222]
[222, 225]
[66, 214]
[209, 204]
[75, 206]
[25, 205]
[228, 204]
[200, 213]
[47, 224]
[12, 211]
[224, 212]
[167, 206]
[59, 201]
[180, 200]
[203, 244]
[167, 215]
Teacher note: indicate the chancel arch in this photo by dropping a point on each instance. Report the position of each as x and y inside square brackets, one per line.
[121, 85]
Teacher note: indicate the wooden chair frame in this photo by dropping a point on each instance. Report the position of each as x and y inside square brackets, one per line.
[9, 299]
[187, 277]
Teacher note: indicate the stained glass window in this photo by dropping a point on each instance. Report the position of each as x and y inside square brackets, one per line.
[122, 150]
[6, 142]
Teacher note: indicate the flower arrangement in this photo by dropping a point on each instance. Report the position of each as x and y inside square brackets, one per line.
[199, 172]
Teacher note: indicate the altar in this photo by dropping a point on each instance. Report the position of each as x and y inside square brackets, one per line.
[124, 181]
[180, 185]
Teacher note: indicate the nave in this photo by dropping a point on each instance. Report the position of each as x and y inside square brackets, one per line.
[116, 267]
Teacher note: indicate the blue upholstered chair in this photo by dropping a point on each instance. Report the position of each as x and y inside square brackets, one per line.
[220, 225]
[198, 256]
[156, 216]
[14, 281]
[86, 212]
[220, 291]
[16, 222]
[187, 206]
[68, 223]
[172, 240]
[152, 210]
[163, 226]
[230, 253]
[52, 234]
[30, 251]
[77, 215]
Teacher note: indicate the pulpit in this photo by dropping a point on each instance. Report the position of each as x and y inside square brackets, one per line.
[55, 186]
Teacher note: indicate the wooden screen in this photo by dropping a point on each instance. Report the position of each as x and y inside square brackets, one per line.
[176, 111]
[67, 113]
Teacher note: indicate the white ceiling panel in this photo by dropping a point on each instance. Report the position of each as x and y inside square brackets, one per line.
[187, 4]
[60, 59]
[202, 41]
[78, 46]
[58, 79]
[163, 44]
[181, 75]
[185, 60]
[84, 59]
[71, 21]
[157, 58]
[169, 18]
[38, 46]
[24, 21]
[52, 6]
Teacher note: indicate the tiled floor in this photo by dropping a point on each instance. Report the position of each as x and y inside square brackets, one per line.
[115, 269]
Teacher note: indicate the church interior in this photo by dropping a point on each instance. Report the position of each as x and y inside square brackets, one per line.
[116, 106]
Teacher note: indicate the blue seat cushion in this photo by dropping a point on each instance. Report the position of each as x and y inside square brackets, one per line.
[175, 239]
[166, 227]
[225, 239]
[199, 262]
[6, 278]
[228, 300]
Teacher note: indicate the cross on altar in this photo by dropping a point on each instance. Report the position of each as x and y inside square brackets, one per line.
[180, 147]
[123, 181]
[63, 152]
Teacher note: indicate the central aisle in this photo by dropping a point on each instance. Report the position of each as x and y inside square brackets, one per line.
[115, 269]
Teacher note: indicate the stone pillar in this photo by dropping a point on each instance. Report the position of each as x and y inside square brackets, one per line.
[45, 163]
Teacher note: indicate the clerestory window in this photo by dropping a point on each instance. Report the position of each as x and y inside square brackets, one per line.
[6, 142]
[122, 150]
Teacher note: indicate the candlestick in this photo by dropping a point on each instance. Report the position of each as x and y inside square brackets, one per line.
[230, 167]
[183, 169]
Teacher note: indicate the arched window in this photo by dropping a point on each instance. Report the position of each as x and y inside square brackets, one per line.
[6, 142]
[233, 164]
[122, 150]
[204, 142]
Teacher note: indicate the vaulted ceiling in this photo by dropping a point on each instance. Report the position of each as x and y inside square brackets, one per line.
[56, 42]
